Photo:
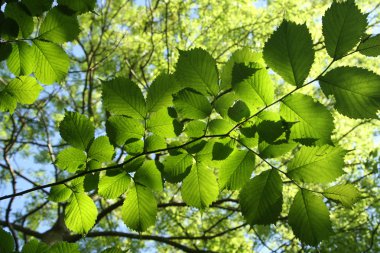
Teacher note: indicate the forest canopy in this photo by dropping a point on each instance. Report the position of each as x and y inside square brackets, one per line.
[195, 126]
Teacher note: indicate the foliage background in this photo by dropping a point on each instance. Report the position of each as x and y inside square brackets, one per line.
[140, 39]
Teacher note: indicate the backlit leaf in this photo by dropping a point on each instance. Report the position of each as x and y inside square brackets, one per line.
[34, 246]
[113, 186]
[244, 55]
[289, 52]
[17, 12]
[140, 208]
[236, 170]
[160, 92]
[7, 243]
[71, 159]
[313, 122]
[346, 194]
[20, 61]
[309, 218]
[191, 105]
[59, 193]
[356, 91]
[219, 126]
[149, 176]
[343, 26]
[59, 27]
[64, 247]
[80, 6]
[52, 63]
[101, 150]
[370, 46]
[197, 69]
[261, 198]
[123, 97]
[77, 130]
[317, 164]
[36, 8]
[80, 213]
[24, 89]
[255, 87]
[161, 124]
[176, 168]
[200, 188]
[121, 129]
[154, 142]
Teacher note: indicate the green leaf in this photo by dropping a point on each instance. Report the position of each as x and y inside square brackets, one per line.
[267, 150]
[161, 124]
[176, 168]
[197, 69]
[370, 46]
[272, 131]
[17, 12]
[20, 61]
[71, 159]
[135, 147]
[58, 27]
[80, 6]
[59, 193]
[7, 102]
[317, 164]
[313, 122]
[149, 176]
[52, 63]
[80, 213]
[160, 92]
[346, 194]
[77, 130]
[134, 164]
[77, 185]
[140, 208]
[113, 250]
[221, 150]
[123, 97]
[289, 52]
[36, 8]
[34, 246]
[343, 25]
[195, 128]
[205, 154]
[154, 142]
[219, 126]
[200, 188]
[64, 247]
[111, 187]
[24, 89]
[8, 27]
[261, 198]
[257, 89]
[244, 55]
[309, 218]
[91, 180]
[241, 72]
[223, 103]
[7, 244]
[5, 50]
[93, 165]
[356, 91]
[191, 105]
[236, 170]
[239, 111]
[101, 150]
[121, 129]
